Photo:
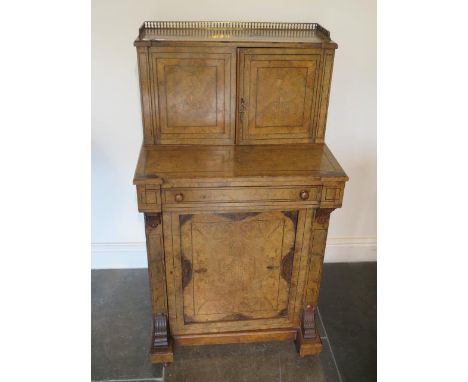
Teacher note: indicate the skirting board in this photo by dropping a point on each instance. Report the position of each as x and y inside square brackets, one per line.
[133, 255]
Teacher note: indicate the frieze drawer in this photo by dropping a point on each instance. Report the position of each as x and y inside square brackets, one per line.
[301, 194]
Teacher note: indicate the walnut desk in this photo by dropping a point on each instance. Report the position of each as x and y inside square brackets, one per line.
[235, 180]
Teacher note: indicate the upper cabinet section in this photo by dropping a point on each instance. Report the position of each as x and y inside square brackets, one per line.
[234, 85]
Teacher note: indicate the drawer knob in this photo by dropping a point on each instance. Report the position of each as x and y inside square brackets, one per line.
[179, 197]
[304, 195]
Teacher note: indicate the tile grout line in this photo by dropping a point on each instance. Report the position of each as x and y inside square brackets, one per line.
[329, 344]
[323, 336]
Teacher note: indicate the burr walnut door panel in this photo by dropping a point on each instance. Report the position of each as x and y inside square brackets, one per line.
[194, 93]
[277, 98]
[237, 271]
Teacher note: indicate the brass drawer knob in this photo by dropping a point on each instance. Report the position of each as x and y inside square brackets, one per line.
[179, 197]
[304, 195]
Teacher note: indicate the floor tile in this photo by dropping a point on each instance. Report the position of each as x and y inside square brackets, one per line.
[321, 328]
[310, 369]
[121, 325]
[348, 307]
[260, 362]
[121, 328]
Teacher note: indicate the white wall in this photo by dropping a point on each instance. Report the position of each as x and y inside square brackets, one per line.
[117, 227]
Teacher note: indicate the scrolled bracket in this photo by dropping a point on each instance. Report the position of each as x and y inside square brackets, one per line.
[308, 323]
[152, 221]
[160, 332]
[322, 216]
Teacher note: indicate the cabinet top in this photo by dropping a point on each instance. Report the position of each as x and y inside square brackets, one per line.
[232, 31]
[289, 162]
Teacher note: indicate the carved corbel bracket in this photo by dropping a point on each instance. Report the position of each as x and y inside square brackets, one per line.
[160, 332]
[308, 323]
[152, 221]
[308, 339]
[322, 216]
[161, 346]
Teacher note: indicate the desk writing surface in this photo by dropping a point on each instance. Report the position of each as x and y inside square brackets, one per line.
[164, 162]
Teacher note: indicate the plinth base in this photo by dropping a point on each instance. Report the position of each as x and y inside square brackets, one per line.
[163, 355]
[308, 346]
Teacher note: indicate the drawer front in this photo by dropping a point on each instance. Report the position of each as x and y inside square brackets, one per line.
[305, 194]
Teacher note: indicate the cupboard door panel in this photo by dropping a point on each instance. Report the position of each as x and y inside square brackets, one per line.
[195, 95]
[251, 251]
[237, 271]
[277, 95]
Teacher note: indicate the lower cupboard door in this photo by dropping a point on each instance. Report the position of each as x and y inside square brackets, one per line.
[235, 271]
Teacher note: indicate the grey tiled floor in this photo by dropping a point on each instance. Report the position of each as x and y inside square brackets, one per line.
[121, 326]
[348, 306]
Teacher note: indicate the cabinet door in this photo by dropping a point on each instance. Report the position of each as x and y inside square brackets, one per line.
[277, 96]
[194, 93]
[235, 271]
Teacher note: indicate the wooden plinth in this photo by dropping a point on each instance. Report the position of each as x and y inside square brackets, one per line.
[305, 347]
[308, 347]
[163, 355]
[235, 337]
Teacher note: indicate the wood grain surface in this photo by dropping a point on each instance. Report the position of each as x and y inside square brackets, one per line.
[252, 249]
[235, 180]
[193, 91]
[277, 89]
[162, 163]
[227, 94]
